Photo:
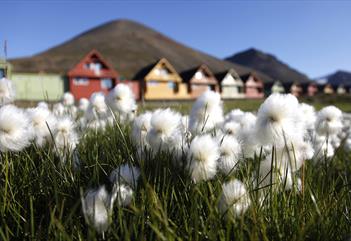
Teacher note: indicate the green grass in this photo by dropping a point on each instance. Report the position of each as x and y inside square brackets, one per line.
[40, 198]
[342, 102]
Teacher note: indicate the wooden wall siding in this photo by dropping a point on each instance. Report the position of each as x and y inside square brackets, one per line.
[341, 90]
[30, 86]
[296, 90]
[232, 88]
[199, 89]
[165, 91]
[254, 88]
[312, 90]
[163, 64]
[232, 91]
[85, 91]
[92, 78]
[168, 86]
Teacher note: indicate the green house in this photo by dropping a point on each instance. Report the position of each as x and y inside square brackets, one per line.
[39, 86]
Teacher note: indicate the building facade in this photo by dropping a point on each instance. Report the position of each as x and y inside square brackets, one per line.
[253, 86]
[231, 86]
[160, 81]
[91, 74]
[199, 80]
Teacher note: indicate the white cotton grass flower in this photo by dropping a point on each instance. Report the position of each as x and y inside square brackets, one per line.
[165, 131]
[307, 115]
[58, 110]
[234, 115]
[7, 91]
[206, 113]
[230, 154]
[140, 128]
[231, 128]
[247, 121]
[127, 174]
[329, 121]
[83, 105]
[68, 99]
[122, 193]
[277, 120]
[235, 199]
[97, 113]
[202, 158]
[65, 136]
[43, 105]
[15, 129]
[97, 207]
[43, 123]
[121, 100]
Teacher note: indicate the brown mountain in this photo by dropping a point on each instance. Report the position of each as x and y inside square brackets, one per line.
[268, 64]
[128, 46]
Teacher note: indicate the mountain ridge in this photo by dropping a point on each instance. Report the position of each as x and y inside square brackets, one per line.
[269, 65]
[129, 46]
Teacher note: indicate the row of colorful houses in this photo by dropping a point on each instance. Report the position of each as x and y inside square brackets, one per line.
[157, 81]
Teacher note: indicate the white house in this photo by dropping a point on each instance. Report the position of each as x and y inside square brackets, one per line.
[231, 85]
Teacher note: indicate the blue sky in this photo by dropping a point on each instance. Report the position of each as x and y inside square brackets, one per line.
[311, 36]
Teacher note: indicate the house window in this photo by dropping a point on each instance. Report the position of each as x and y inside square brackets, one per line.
[171, 85]
[2, 73]
[80, 81]
[95, 67]
[106, 83]
[199, 75]
[152, 83]
[163, 72]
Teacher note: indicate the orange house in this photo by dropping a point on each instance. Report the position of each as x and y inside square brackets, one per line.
[91, 74]
[253, 86]
[328, 89]
[160, 81]
[199, 79]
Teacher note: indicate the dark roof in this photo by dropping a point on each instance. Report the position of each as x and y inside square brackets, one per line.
[220, 76]
[187, 75]
[140, 75]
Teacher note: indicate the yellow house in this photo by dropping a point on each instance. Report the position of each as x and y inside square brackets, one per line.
[160, 81]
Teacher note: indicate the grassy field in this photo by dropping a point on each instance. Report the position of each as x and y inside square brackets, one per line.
[342, 102]
[40, 198]
[40, 195]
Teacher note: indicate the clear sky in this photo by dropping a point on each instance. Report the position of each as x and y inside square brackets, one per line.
[311, 36]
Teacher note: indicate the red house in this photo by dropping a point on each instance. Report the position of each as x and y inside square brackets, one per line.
[91, 74]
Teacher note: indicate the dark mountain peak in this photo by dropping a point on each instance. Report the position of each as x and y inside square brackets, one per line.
[340, 77]
[129, 46]
[268, 64]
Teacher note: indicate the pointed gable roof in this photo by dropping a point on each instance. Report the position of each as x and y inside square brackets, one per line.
[245, 77]
[221, 75]
[145, 72]
[80, 70]
[189, 74]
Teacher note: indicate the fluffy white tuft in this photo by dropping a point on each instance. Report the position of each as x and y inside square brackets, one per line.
[7, 92]
[202, 158]
[15, 129]
[206, 113]
[235, 199]
[43, 123]
[230, 154]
